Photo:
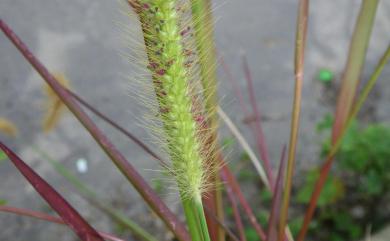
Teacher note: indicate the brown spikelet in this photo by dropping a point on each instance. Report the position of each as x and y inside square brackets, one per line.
[54, 106]
[8, 128]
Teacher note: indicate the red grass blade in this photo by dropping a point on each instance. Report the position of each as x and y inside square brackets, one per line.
[49, 218]
[220, 224]
[147, 193]
[276, 199]
[229, 179]
[70, 216]
[236, 213]
[259, 134]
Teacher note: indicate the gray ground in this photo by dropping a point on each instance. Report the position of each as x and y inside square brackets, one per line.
[84, 40]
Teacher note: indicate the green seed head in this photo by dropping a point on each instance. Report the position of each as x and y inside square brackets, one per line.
[172, 85]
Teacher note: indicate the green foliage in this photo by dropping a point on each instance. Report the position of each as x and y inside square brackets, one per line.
[325, 124]
[158, 186]
[362, 166]
[229, 211]
[266, 196]
[228, 142]
[246, 175]
[325, 76]
[333, 189]
[364, 154]
[3, 156]
[262, 216]
[251, 234]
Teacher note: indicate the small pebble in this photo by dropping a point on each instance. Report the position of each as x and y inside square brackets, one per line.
[82, 165]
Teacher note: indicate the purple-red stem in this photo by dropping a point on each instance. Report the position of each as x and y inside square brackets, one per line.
[236, 213]
[220, 223]
[272, 231]
[259, 134]
[229, 179]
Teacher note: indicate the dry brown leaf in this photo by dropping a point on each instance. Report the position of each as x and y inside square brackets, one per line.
[8, 128]
[54, 106]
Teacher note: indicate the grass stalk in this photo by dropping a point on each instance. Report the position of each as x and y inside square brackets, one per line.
[300, 42]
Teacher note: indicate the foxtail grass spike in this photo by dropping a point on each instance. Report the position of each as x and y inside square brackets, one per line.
[171, 80]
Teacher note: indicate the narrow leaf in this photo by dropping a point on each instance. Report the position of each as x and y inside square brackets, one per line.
[355, 64]
[236, 212]
[276, 199]
[229, 179]
[259, 168]
[70, 216]
[49, 218]
[259, 133]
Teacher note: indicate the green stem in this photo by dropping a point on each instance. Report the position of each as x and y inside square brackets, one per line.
[206, 50]
[196, 219]
[202, 21]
